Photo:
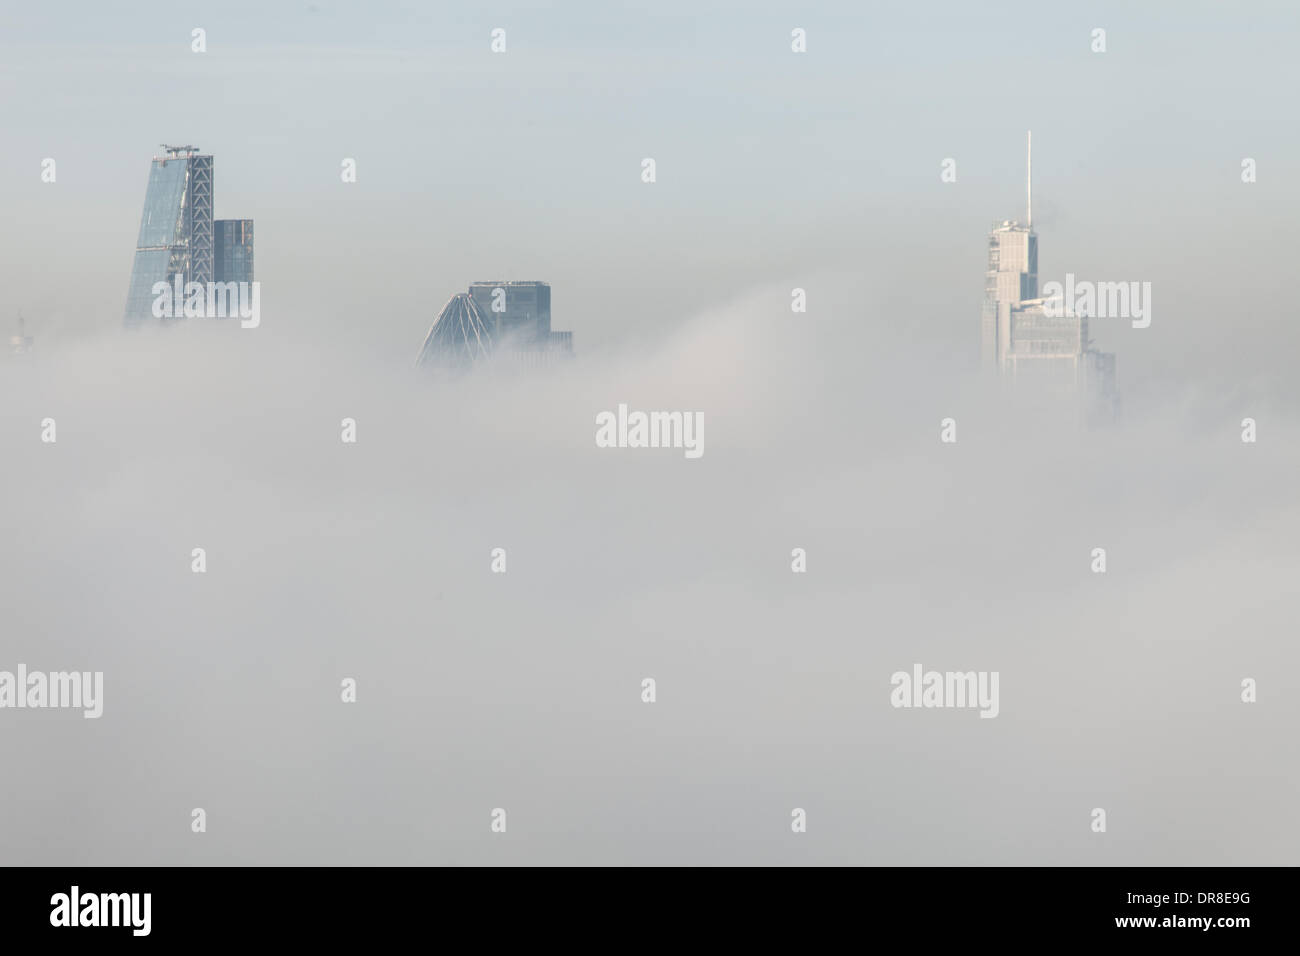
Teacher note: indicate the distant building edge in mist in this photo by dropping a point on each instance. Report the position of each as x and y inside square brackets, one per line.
[505, 322]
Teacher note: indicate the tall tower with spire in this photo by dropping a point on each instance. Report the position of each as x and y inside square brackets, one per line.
[1011, 276]
[1022, 340]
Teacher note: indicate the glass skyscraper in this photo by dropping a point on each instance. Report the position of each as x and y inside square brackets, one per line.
[178, 235]
[233, 250]
[516, 310]
[507, 321]
[175, 228]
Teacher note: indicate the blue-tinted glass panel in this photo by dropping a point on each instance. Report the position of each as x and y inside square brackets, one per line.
[162, 203]
[150, 266]
[233, 249]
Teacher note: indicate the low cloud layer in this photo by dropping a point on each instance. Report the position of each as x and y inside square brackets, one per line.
[522, 690]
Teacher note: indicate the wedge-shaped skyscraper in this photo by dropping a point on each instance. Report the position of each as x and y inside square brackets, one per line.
[178, 235]
[175, 228]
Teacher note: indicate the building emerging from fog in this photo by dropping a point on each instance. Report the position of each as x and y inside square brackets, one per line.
[459, 339]
[1022, 340]
[21, 343]
[1011, 278]
[507, 322]
[178, 235]
[232, 250]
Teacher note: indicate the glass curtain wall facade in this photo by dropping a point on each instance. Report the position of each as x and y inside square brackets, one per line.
[176, 231]
[233, 250]
[527, 315]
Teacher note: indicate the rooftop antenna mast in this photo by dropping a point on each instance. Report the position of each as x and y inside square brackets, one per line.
[1029, 179]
